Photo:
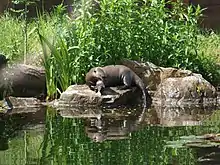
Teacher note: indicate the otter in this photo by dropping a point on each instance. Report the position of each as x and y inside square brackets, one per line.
[115, 75]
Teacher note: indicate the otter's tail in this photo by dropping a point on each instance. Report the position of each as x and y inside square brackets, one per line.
[141, 85]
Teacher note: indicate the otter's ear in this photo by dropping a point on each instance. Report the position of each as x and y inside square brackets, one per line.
[98, 69]
[101, 72]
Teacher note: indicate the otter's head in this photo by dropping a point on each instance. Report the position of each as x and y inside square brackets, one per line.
[94, 75]
[99, 73]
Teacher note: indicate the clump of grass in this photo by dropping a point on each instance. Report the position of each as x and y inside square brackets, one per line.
[12, 37]
[209, 56]
[209, 44]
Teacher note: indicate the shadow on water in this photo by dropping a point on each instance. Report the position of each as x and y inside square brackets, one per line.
[75, 136]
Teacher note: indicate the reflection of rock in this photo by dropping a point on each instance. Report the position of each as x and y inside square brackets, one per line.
[106, 124]
[81, 95]
[21, 103]
[107, 128]
[23, 81]
[19, 119]
[182, 116]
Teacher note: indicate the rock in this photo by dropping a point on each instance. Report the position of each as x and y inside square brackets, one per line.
[23, 81]
[81, 95]
[21, 102]
[173, 86]
[148, 72]
[153, 75]
[167, 86]
[178, 91]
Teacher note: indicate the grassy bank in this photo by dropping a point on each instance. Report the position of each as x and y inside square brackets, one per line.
[147, 31]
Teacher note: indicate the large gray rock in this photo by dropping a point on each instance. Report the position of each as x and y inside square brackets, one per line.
[179, 91]
[22, 81]
[173, 86]
[153, 75]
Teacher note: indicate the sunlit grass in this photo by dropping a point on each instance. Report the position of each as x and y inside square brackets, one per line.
[12, 37]
[209, 44]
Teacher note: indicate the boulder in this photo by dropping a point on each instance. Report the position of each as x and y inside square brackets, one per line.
[167, 86]
[153, 75]
[179, 91]
[22, 80]
[83, 96]
[173, 86]
[20, 105]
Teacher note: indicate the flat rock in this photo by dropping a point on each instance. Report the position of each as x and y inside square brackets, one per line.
[20, 104]
[82, 96]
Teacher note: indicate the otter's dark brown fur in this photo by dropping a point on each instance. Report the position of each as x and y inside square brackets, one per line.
[115, 75]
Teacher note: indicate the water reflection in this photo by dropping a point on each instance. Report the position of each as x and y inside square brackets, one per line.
[208, 156]
[110, 128]
[183, 116]
[73, 136]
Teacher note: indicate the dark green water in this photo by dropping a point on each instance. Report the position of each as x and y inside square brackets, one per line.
[48, 138]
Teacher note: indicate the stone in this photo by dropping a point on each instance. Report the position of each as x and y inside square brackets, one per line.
[178, 91]
[22, 80]
[153, 75]
[171, 86]
[83, 96]
[166, 86]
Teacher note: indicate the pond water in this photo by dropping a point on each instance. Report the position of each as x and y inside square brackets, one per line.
[69, 137]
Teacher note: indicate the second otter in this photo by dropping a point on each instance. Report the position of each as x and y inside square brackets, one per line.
[115, 75]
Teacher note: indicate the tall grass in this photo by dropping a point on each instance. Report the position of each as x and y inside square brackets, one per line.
[12, 42]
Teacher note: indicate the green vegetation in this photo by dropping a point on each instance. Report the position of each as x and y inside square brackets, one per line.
[105, 34]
